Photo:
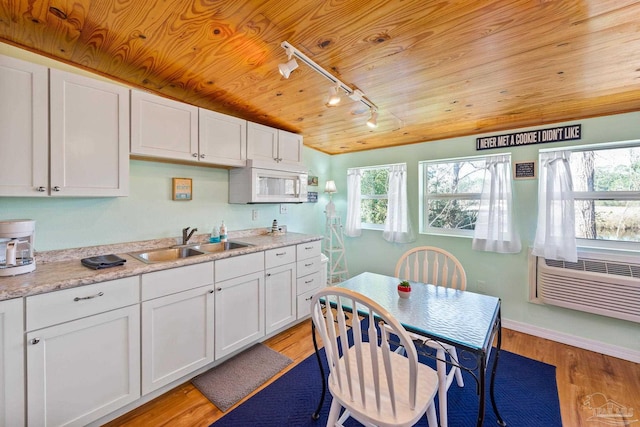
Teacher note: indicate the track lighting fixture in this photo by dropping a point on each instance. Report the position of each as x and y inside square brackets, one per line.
[334, 96]
[286, 68]
[373, 119]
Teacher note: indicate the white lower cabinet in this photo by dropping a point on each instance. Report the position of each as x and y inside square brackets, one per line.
[83, 352]
[177, 329]
[309, 275]
[280, 287]
[82, 370]
[239, 313]
[12, 379]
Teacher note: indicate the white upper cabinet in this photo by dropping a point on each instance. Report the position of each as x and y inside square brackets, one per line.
[161, 127]
[24, 120]
[82, 151]
[273, 145]
[174, 130]
[289, 147]
[223, 139]
[89, 136]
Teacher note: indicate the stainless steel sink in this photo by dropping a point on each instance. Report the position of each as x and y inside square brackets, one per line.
[166, 254]
[220, 247]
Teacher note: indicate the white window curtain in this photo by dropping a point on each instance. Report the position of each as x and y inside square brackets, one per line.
[495, 229]
[397, 227]
[555, 233]
[353, 227]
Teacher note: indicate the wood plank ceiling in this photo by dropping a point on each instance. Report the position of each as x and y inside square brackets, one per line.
[435, 69]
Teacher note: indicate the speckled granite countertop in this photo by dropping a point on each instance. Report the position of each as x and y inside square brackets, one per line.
[62, 269]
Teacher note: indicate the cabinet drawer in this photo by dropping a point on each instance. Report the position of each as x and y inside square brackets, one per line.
[309, 282]
[62, 306]
[166, 282]
[308, 266]
[309, 249]
[279, 256]
[304, 303]
[237, 266]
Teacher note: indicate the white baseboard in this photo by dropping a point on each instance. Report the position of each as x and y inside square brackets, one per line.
[587, 344]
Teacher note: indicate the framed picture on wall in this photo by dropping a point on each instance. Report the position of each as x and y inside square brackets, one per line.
[524, 170]
[312, 180]
[182, 189]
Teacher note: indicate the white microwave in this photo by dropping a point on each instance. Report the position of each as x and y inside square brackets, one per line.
[261, 183]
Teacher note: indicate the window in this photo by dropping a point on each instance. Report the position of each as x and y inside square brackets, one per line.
[450, 195]
[606, 190]
[374, 199]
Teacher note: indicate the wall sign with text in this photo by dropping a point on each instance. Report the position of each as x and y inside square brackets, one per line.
[524, 170]
[540, 136]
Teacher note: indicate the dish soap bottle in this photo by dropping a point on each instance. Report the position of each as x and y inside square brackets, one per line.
[215, 235]
[223, 232]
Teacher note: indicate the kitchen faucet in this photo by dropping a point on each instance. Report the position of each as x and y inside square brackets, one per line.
[185, 236]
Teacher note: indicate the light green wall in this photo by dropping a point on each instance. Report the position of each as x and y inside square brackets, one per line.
[506, 276]
[149, 212]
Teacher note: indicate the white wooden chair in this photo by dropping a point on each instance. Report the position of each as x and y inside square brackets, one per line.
[374, 385]
[438, 267]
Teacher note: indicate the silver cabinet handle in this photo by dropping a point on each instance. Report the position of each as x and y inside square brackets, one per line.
[308, 299]
[281, 254]
[34, 341]
[99, 294]
[202, 156]
[306, 248]
[41, 189]
[56, 188]
[308, 265]
[194, 155]
[211, 291]
[308, 281]
[219, 289]
[268, 274]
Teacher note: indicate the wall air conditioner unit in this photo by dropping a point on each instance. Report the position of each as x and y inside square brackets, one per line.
[598, 283]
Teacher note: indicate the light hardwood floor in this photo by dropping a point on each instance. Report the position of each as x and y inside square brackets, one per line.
[579, 374]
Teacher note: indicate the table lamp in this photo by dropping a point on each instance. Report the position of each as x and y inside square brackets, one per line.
[330, 187]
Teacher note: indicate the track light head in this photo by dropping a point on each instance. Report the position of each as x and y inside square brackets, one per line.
[287, 68]
[373, 119]
[334, 96]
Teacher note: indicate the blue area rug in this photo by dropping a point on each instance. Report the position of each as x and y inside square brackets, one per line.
[526, 395]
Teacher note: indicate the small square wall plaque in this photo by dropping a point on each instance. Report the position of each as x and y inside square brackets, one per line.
[182, 189]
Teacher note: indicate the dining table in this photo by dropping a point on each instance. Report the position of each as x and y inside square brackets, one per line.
[469, 321]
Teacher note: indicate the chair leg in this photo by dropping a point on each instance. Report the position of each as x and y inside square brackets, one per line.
[441, 369]
[454, 357]
[334, 413]
[432, 420]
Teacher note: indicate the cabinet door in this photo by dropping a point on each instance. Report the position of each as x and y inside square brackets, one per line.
[223, 139]
[177, 336]
[161, 127]
[239, 313]
[262, 142]
[281, 297]
[289, 147]
[24, 120]
[82, 370]
[12, 363]
[89, 136]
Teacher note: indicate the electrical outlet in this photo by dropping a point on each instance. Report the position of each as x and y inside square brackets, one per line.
[481, 286]
[284, 209]
[254, 215]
